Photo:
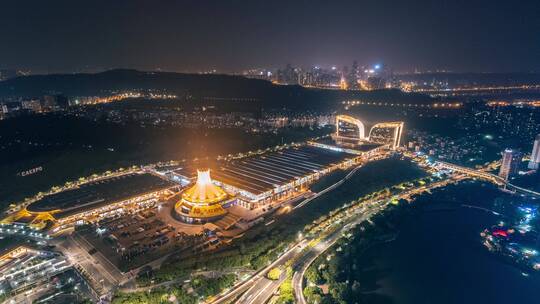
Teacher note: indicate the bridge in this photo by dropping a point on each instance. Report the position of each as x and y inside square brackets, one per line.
[497, 180]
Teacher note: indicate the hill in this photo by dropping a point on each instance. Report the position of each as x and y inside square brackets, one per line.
[191, 86]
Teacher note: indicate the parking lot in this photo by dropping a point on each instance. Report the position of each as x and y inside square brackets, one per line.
[132, 240]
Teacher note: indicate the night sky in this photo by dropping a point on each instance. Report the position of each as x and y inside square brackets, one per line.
[68, 36]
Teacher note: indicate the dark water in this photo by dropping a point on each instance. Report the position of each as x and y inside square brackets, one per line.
[438, 256]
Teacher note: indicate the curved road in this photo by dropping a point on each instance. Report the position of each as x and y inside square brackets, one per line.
[321, 247]
[249, 289]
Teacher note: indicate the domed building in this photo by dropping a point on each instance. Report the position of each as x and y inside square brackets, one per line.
[203, 202]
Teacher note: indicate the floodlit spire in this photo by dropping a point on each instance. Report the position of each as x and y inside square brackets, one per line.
[203, 177]
[204, 191]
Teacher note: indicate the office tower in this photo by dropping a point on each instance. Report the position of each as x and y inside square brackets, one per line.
[534, 163]
[509, 163]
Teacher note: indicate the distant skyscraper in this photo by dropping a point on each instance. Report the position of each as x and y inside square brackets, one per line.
[534, 164]
[288, 76]
[510, 163]
[353, 76]
[343, 84]
[375, 83]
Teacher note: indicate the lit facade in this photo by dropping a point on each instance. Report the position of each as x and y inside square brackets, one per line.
[13, 254]
[534, 163]
[510, 163]
[203, 202]
[392, 138]
[93, 201]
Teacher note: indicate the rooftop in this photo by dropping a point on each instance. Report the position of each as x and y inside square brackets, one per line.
[8, 243]
[204, 191]
[262, 173]
[100, 193]
[361, 146]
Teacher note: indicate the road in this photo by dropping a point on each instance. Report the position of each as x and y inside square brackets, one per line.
[249, 287]
[315, 251]
[485, 174]
[330, 188]
[262, 290]
[98, 270]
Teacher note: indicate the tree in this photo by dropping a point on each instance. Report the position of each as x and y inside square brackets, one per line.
[313, 294]
[339, 292]
[286, 295]
[313, 276]
[274, 274]
[286, 291]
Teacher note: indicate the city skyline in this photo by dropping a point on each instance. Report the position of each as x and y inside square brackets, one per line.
[481, 36]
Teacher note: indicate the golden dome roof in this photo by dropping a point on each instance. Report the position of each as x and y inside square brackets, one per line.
[204, 191]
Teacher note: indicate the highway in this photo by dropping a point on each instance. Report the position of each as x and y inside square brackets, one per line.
[262, 290]
[315, 251]
[249, 287]
[31, 295]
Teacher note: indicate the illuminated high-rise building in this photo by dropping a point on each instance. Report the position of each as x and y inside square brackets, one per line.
[534, 163]
[343, 84]
[353, 76]
[509, 163]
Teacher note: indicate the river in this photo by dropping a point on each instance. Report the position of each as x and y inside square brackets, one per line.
[438, 257]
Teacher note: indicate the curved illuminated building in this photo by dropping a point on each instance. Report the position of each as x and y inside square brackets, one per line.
[92, 201]
[203, 202]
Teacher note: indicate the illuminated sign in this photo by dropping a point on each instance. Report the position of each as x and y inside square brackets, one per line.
[30, 171]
